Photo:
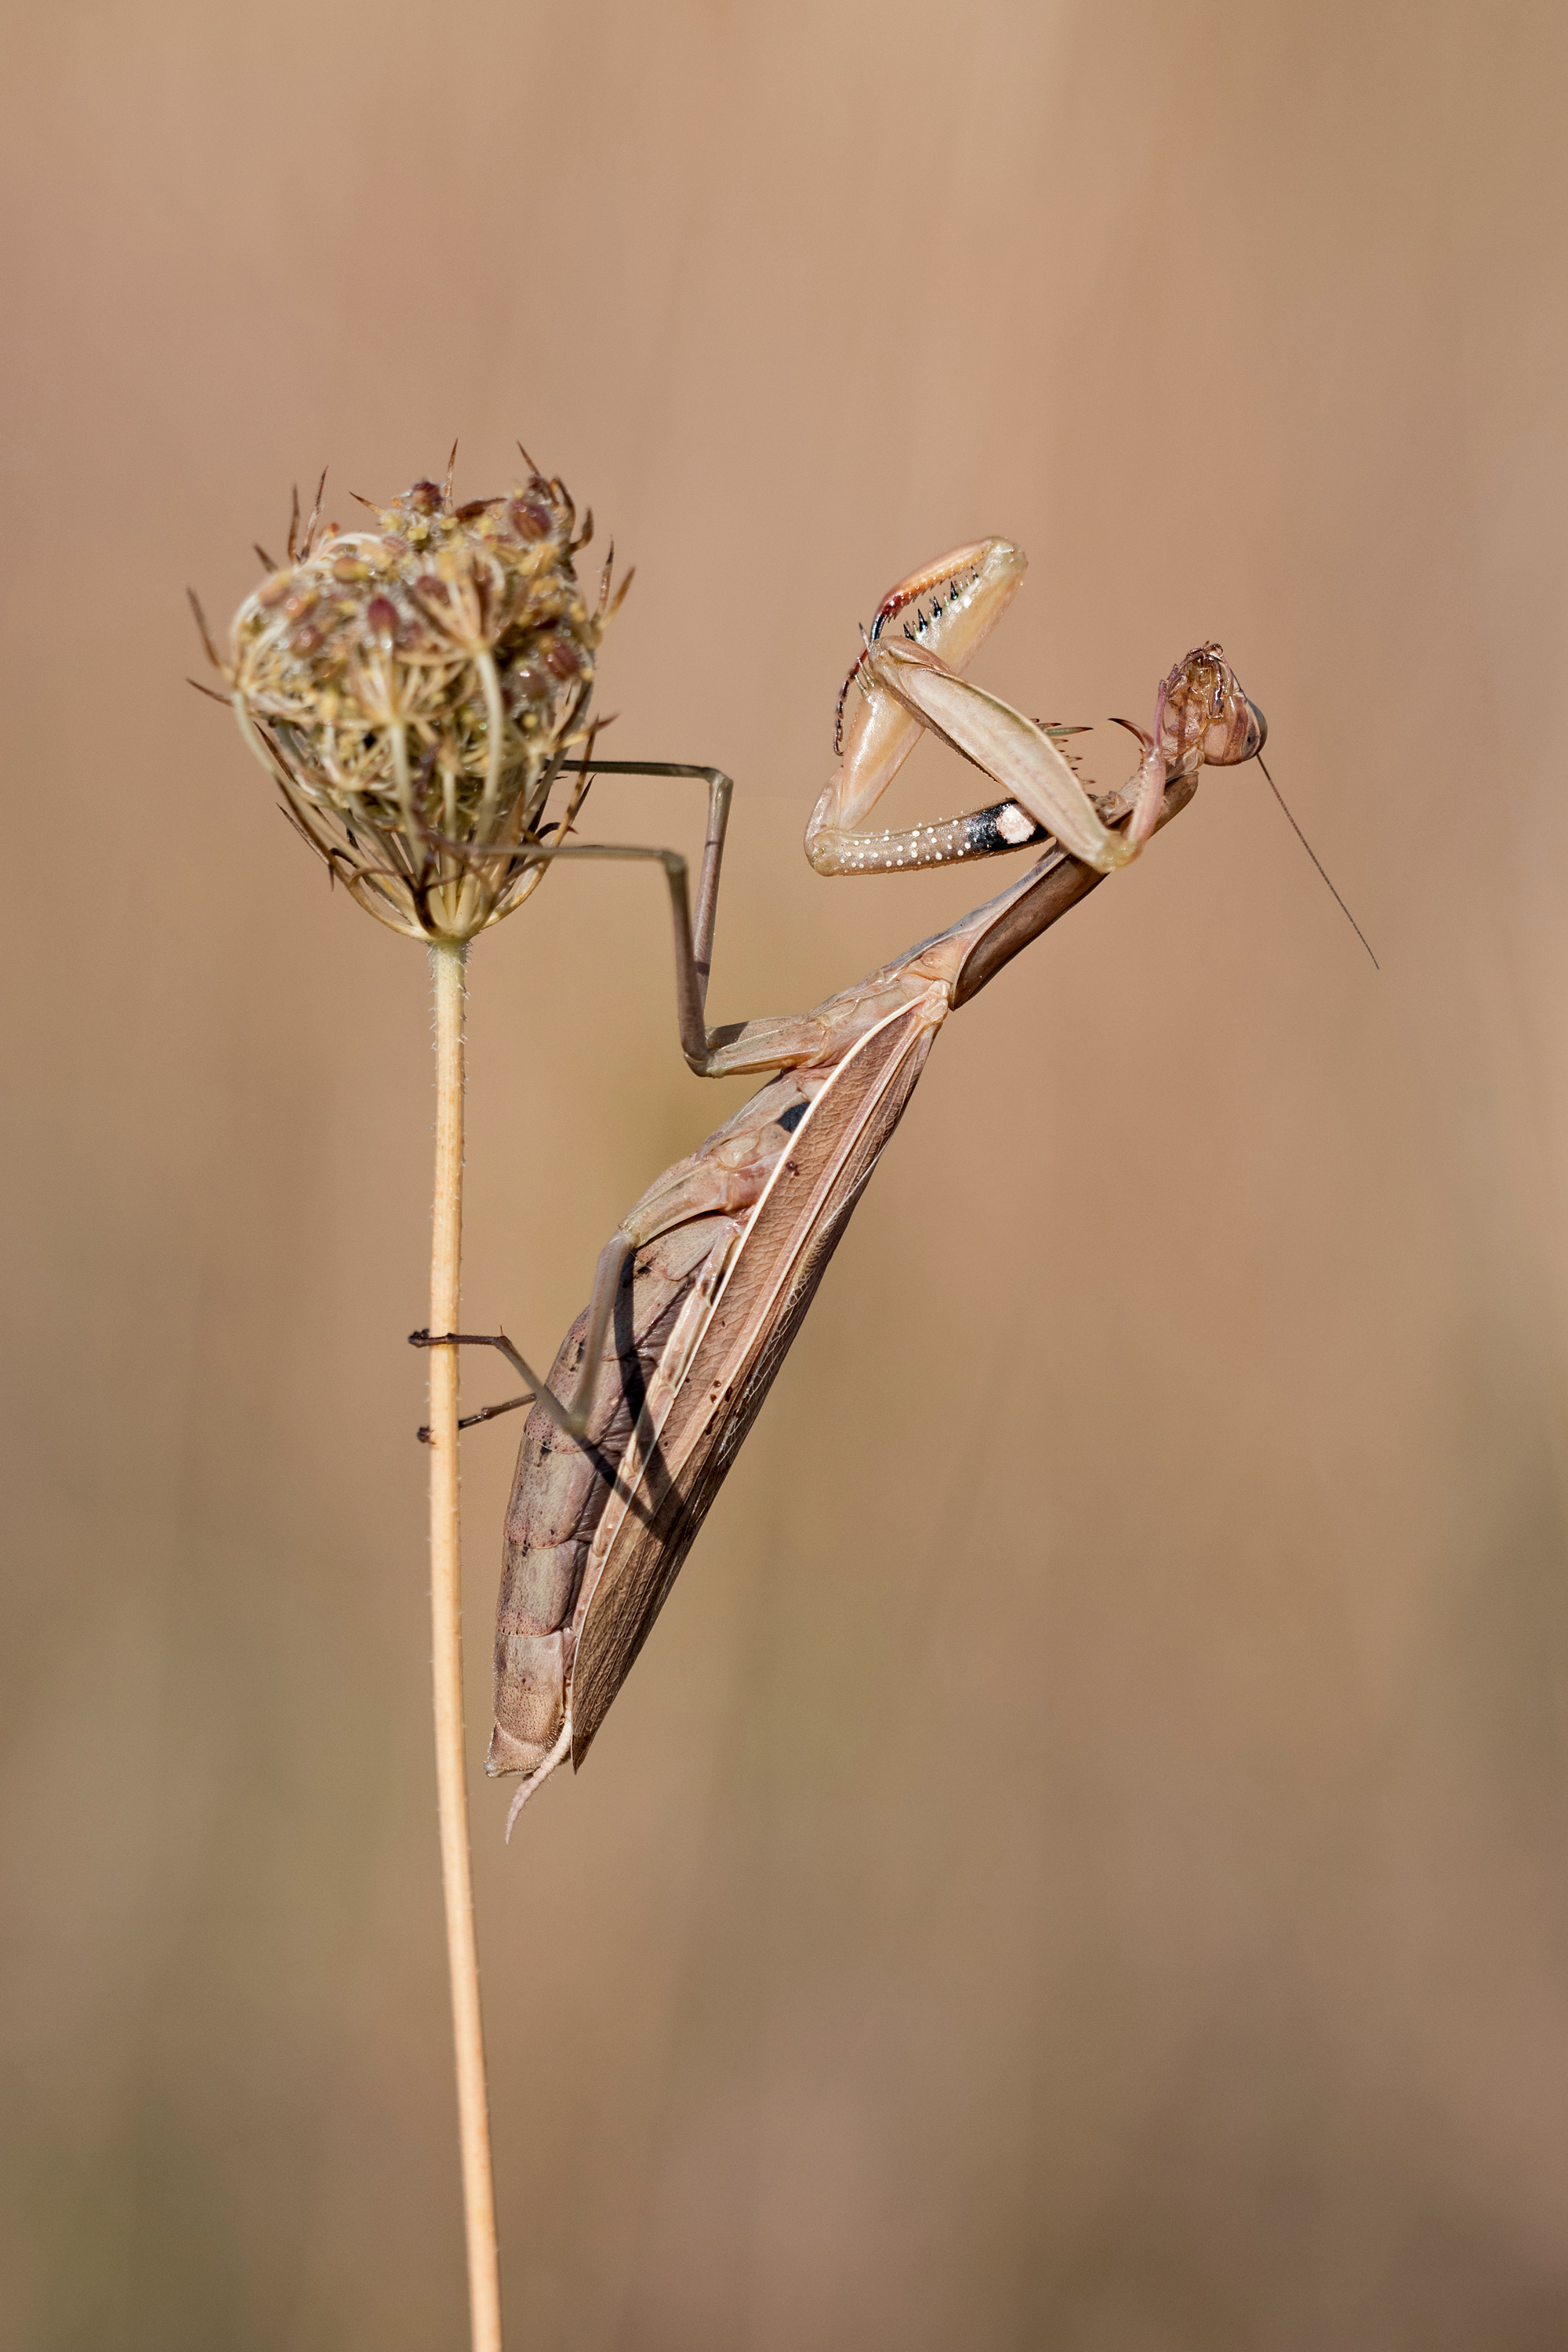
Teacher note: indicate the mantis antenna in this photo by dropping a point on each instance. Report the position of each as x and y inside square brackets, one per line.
[1319, 863]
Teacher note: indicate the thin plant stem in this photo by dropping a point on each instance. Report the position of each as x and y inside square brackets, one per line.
[448, 960]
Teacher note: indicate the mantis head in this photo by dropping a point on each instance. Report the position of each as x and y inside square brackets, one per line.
[1205, 717]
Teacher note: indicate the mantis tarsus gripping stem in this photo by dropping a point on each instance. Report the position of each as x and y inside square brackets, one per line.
[571, 1419]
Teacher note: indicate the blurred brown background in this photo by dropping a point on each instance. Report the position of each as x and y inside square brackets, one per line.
[1082, 1861]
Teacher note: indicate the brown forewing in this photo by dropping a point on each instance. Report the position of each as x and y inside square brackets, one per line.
[770, 1286]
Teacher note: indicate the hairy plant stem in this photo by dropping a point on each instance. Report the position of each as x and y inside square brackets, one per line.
[447, 962]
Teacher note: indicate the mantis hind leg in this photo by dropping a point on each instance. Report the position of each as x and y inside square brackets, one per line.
[571, 1419]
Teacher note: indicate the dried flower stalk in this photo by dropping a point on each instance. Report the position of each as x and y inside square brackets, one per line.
[414, 691]
[447, 962]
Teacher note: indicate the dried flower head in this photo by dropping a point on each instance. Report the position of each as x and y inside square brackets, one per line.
[414, 689]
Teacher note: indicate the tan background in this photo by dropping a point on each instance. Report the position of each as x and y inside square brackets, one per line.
[1082, 1863]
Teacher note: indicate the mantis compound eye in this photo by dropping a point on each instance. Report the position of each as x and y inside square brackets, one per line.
[1256, 733]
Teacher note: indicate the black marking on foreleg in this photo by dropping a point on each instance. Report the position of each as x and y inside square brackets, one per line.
[1003, 825]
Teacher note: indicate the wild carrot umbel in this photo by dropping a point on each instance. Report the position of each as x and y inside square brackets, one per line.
[413, 690]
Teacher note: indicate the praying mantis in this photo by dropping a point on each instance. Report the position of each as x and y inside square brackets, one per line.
[701, 1290]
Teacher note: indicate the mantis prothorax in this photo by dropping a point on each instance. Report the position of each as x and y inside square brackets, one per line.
[704, 1285]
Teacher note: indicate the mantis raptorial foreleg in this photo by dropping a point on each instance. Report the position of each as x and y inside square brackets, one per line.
[940, 614]
[924, 632]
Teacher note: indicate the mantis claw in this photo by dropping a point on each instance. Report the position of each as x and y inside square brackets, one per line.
[908, 679]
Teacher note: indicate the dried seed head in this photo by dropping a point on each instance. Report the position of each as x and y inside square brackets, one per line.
[414, 689]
